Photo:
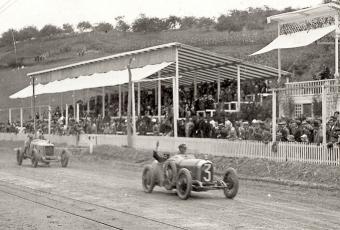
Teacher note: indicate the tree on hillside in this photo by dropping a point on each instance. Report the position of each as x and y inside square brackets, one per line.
[173, 22]
[104, 27]
[188, 22]
[146, 24]
[68, 28]
[205, 23]
[229, 23]
[7, 37]
[121, 25]
[49, 30]
[84, 25]
[28, 33]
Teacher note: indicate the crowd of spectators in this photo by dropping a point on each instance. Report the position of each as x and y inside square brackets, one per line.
[221, 125]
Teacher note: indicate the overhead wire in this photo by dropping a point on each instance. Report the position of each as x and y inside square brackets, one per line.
[7, 6]
[4, 4]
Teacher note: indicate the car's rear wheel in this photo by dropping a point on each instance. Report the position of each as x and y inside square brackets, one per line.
[184, 184]
[20, 156]
[148, 179]
[34, 159]
[64, 157]
[231, 180]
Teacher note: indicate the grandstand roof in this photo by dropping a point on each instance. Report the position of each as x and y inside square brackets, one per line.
[193, 62]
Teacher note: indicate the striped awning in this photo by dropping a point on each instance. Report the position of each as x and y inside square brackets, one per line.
[193, 63]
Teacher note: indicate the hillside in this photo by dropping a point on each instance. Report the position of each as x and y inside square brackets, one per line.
[54, 51]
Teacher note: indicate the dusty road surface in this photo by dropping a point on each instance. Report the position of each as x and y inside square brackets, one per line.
[108, 195]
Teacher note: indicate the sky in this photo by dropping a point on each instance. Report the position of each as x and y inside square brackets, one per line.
[17, 14]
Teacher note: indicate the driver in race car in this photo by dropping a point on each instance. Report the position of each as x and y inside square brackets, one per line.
[179, 156]
[28, 142]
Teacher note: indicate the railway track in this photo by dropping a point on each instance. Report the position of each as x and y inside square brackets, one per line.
[102, 215]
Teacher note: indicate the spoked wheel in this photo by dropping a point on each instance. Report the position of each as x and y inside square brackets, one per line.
[231, 180]
[64, 157]
[184, 184]
[148, 179]
[170, 171]
[20, 156]
[34, 159]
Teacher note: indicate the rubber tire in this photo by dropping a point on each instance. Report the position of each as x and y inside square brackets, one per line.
[148, 179]
[20, 156]
[170, 183]
[64, 157]
[184, 173]
[230, 177]
[35, 158]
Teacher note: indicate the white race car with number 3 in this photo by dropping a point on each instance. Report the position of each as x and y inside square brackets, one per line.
[186, 174]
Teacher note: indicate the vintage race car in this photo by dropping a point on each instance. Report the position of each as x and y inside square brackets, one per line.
[186, 174]
[42, 151]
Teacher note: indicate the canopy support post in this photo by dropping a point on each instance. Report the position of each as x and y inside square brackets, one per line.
[336, 19]
[129, 137]
[33, 101]
[66, 115]
[133, 109]
[138, 98]
[103, 102]
[49, 119]
[274, 116]
[61, 104]
[119, 101]
[324, 114]
[10, 115]
[238, 88]
[195, 86]
[88, 101]
[74, 104]
[218, 85]
[77, 117]
[159, 98]
[40, 113]
[21, 118]
[175, 95]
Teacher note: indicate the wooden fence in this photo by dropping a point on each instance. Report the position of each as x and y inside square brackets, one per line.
[283, 151]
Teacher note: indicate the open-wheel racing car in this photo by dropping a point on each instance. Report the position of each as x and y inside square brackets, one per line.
[39, 150]
[185, 174]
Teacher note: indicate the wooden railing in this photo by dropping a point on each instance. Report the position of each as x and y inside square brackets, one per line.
[309, 87]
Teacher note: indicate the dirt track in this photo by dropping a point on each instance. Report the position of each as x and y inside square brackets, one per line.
[90, 195]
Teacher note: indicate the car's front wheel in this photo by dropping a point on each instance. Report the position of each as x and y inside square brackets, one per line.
[184, 184]
[231, 180]
[148, 179]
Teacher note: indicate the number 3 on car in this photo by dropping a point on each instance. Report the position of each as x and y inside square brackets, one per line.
[206, 176]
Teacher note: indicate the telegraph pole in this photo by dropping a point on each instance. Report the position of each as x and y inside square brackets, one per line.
[15, 49]
[129, 126]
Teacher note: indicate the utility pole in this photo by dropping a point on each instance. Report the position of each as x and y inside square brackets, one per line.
[129, 126]
[15, 49]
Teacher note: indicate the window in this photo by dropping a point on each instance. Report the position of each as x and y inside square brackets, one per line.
[298, 110]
